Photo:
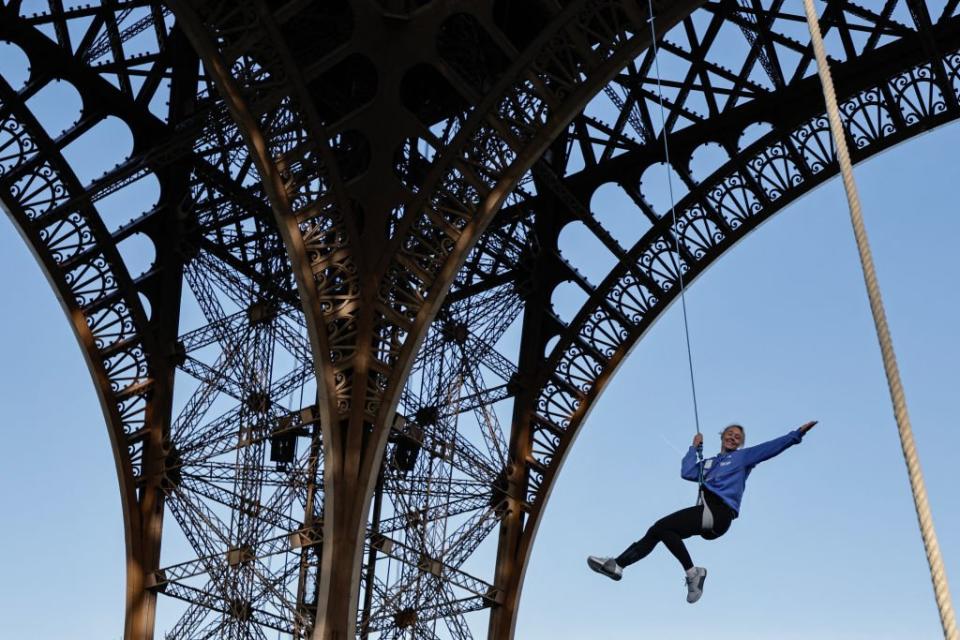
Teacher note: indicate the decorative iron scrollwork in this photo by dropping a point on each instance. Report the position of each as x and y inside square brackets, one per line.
[917, 94]
[16, 147]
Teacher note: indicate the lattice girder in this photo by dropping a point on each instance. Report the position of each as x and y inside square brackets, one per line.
[888, 94]
[370, 298]
[126, 349]
[131, 354]
[385, 194]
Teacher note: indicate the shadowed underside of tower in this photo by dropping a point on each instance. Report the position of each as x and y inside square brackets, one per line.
[313, 252]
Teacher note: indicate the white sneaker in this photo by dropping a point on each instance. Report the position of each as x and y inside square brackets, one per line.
[695, 584]
[606, 566]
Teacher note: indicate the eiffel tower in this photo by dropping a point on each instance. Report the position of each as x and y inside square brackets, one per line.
[339, 393]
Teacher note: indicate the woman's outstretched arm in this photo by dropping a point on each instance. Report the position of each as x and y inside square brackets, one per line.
[766, 450]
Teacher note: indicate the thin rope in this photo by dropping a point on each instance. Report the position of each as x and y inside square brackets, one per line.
[937, 573]
[673, 214]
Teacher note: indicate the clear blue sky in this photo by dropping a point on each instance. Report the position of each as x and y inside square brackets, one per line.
[827, 544]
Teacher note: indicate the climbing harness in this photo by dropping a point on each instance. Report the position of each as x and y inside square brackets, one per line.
[706, 521]
[937, 573]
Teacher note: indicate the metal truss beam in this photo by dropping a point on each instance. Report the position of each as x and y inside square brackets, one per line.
[890, 94]
[381, 236]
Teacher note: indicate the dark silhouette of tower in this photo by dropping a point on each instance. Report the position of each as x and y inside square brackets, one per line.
[341, 390]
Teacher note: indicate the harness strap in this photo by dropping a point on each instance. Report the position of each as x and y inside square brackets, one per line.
[706, 524]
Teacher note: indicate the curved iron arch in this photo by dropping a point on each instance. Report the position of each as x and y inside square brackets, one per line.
[132, 354]
[53, 212]
[365, 340]
[907, 92]
[522, 118]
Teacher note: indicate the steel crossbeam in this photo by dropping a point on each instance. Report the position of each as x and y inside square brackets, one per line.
[397, 253]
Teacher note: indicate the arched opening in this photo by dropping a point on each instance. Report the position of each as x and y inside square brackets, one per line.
[580, 246]
[123, 205]
[661, 186]
[753, 133]
[99, 149]
[618, 214]
[14, 65]
[138, 253]
[566, 300]
[706, 159]
[56, 106]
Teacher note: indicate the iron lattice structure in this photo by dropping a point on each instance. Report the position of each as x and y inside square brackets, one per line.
[340, 392]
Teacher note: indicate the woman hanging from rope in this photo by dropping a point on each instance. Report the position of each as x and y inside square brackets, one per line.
[722, 481]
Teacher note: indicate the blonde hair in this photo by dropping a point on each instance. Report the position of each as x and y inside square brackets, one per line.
[743, 432]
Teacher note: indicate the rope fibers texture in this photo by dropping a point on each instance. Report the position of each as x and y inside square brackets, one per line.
[937, 573]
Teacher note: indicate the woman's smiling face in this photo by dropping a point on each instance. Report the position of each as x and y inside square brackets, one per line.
[732, 438]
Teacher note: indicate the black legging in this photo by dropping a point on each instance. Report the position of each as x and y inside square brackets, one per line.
[672, 529]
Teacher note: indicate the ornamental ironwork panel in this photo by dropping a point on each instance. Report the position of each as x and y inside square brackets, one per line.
[358, 254]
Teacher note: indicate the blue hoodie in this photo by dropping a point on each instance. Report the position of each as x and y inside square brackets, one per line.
[726, 473]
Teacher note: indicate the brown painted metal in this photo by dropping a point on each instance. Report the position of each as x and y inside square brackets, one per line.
[415, 172]
[357, 417]
[800, 138]
[83, 266]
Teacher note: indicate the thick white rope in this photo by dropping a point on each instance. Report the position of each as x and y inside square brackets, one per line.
[937, 573]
